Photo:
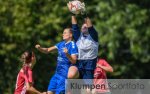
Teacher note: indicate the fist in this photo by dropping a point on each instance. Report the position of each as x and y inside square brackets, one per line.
[37, 46]
[98, 66]
[65, 50]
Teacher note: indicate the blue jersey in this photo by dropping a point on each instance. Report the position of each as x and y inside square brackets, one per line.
[63, 62]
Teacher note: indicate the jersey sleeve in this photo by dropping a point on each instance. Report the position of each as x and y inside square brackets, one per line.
[93, 33]
[76, 32]
[28, 75]
[105, 63]
[58, 45]
[74, 49]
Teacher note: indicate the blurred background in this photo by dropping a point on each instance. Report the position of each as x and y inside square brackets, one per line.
[123, 27]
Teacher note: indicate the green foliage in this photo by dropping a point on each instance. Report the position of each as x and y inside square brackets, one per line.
[123, 27]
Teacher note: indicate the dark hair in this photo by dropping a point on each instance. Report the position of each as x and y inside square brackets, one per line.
[26, 57]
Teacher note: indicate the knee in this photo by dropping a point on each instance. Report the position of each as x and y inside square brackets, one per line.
[73, 72]
[50, 92]
[70, 76]
[73, 75]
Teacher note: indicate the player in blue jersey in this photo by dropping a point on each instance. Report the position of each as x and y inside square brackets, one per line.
[87, 43]
[67, 55]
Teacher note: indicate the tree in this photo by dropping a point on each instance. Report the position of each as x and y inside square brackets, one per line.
[123, 27]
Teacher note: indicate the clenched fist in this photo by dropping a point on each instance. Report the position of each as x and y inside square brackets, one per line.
[37, 46]
[65, 50]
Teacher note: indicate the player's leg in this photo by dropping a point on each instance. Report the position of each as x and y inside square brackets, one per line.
[88, 74]
[73, 72]
[60, 92]
[61, 85]
[89, 67]
[50, 92]
[52, 85]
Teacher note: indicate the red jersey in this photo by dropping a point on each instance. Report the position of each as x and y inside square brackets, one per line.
[100, 77]
[24, 76]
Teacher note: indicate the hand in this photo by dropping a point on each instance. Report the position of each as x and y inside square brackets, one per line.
[37, 46]
[98, 66]
[69, 5]
[65, 50]
[83, 9]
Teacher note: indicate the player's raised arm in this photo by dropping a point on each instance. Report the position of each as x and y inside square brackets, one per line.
[75, 28]
[73, 19]
[91, 29]
[71, 6]
[88, 22]
[45, 50]
[31, 89]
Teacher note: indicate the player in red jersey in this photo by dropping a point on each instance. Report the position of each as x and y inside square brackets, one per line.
[24, 83]
[100, 77]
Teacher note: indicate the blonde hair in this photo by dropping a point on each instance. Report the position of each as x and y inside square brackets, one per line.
[69, 29]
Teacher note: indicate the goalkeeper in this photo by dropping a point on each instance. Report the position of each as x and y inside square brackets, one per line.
[87, 43]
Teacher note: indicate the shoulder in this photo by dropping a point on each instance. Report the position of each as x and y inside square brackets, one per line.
[26, 68]
[62, 42]
[102, 61]
[73, 44]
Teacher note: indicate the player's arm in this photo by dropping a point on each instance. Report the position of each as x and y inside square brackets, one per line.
[73, 19]
[29, 81]
[93, 33]
[72, 58]
[75, 28]
[31, 89]
[45, 50]
[107, 67]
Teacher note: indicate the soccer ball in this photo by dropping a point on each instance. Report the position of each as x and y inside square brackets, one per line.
[76, 6]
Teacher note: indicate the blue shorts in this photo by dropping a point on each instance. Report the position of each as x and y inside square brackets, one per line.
[57, 84]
